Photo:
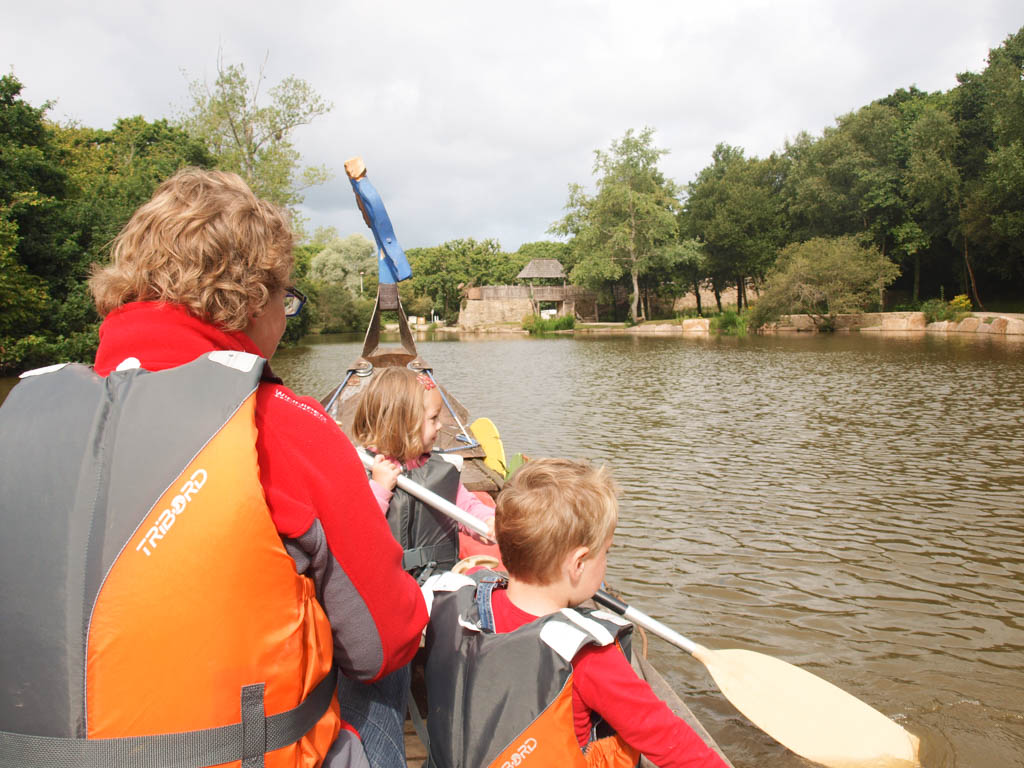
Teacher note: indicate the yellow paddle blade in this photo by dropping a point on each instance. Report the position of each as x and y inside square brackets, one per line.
[812, 717]
[486, 434]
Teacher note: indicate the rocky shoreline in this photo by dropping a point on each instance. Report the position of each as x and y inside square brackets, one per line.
[991, 324]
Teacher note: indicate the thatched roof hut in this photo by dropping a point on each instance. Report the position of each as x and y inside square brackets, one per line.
[546, 269]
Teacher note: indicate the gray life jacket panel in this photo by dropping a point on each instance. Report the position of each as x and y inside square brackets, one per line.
[83, 459]
[486, 690]
[429, 538]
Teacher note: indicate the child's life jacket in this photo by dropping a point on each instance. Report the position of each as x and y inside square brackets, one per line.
[429, 538]
[506, 699]
[150, 614]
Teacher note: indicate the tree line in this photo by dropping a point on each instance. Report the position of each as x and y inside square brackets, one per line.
[918, 193]
[915, 196]
[929, 183]
[66, 190]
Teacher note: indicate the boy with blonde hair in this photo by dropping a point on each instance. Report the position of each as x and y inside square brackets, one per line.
[516, 667]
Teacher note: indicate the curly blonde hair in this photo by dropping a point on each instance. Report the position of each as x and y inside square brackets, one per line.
[203, 241]
[389, 417]
[547, 509]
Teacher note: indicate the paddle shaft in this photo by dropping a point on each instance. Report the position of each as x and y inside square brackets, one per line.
[439, 503]
[478, 526]
[643, 620]
[760, 686]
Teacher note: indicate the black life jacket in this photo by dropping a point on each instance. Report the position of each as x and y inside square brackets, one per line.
[429, 538]
[504, 699]
[150, 614]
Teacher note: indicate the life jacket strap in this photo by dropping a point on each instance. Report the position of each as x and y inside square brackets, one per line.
[247, 741]
[419, 557]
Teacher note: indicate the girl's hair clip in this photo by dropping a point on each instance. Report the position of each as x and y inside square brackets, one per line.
[426, 381]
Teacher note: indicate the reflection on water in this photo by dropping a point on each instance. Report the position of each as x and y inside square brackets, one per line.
[849, 504]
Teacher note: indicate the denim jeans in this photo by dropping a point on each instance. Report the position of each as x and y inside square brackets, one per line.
[377, 712]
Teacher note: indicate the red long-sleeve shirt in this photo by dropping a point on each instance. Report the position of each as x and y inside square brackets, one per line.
[604, 681]
[315, 487]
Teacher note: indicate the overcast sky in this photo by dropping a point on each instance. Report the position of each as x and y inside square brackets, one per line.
[473, 117]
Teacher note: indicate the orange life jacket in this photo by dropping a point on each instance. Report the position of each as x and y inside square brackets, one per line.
[152, 614]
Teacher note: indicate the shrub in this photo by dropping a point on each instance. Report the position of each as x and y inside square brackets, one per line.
[730, 322]
[421, 306]
[338, 311]
[936, 310]
[762, 313]
[35, 351]
[961, 303]
[824, 277]
[536, 324]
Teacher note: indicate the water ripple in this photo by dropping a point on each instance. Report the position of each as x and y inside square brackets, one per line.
[851, 504]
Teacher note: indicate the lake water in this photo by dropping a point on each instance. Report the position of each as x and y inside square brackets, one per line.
[853, 504]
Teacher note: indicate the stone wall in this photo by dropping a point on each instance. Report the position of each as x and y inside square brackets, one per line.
[477, 312]
[691, 325]
[995, 325]
[688, 325]
[495, 304]
[879, 321]
[875, 322]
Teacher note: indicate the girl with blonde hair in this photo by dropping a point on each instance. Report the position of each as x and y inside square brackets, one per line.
[398, 418]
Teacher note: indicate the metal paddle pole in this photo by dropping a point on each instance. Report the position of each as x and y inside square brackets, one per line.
[811, 716]
[643, 620]
[439, 503]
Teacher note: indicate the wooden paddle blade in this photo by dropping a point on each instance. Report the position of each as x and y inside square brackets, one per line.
[810, 716]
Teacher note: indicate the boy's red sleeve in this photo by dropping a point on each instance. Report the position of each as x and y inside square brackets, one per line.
[604, 681]
[320, 500]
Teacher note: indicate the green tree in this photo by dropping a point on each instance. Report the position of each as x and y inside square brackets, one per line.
[33, 184]
[690, 265]
[820, 189]
[487, 264]
[304, 253]
[824, 277]
[993, 212]
[855, 179]
[322, 236]
[629, 222]
[112, 172]
[23, 296]
[443, 272]
[735, 209]
[338, 311]
[933, 184]
[251, 135]
[350, 261]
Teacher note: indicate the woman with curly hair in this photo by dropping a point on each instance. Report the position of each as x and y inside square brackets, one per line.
[232, 556]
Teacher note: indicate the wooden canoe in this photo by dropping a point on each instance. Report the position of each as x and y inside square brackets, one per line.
[455, 435]
[341, 404]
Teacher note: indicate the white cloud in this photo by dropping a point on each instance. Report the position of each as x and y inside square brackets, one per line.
[473, 118]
